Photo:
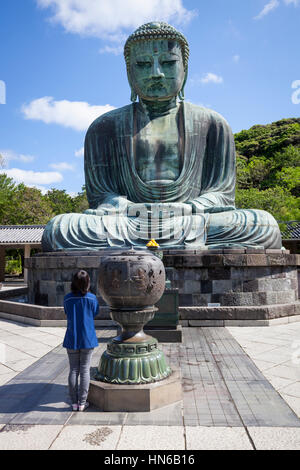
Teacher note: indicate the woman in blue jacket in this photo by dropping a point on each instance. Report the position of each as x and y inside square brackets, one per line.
[81, 307]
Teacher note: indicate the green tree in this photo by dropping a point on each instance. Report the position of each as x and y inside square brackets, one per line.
[243, 177]
[29, 207]
[7, 194]
[21, 205]
[288, 157]
[268, 168]
[279, 202]
[289, 178]
[252, 173]
[80, 202]
[267, 140]
[60, 201]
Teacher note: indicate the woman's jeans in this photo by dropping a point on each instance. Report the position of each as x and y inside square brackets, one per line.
[79, 360]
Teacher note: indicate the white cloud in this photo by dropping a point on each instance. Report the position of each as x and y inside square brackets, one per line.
[26, 158]
[72, 193]
[203, 105]
[212, 78]
[62, 166]
[77, 115]
[33, 178]
[37, 186]
[272, 5]
[236, 58]
[10, 155]
[208, 77]
[108, 19]
[79, 153]
[116, 50]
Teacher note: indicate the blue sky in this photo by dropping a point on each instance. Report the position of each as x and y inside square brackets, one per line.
[62, 66]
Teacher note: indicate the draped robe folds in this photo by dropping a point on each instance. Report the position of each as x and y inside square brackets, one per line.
[200, 202]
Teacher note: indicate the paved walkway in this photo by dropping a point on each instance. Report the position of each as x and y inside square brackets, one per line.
[241, 390]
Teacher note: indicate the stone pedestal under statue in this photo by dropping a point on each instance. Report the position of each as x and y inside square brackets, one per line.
[240, 284]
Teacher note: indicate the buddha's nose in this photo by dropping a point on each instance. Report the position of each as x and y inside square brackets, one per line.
[156, 71]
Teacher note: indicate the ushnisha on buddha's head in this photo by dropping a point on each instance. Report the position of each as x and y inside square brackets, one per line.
[156, 56]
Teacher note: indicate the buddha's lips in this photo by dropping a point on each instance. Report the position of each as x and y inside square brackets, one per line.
[156, 86]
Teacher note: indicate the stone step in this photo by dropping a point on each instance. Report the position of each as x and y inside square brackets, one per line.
[264, 312]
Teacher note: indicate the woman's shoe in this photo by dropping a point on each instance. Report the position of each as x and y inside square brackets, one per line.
[75, 407]
[83, 407]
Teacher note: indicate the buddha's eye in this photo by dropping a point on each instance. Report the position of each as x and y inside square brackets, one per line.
[169, 62]
[143, 63]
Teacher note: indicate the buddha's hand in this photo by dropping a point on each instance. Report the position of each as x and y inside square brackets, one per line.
[178, 208]
[111, 206]
[173, 208]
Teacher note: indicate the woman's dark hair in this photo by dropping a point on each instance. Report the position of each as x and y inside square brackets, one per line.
[80, 283]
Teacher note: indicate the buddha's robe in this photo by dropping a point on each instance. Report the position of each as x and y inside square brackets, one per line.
[201, 200]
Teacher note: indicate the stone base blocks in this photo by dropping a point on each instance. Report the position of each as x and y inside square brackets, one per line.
[136, 398]
[238, 278]
[241, 284]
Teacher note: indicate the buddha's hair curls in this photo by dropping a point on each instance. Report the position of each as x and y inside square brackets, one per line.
[157, 30]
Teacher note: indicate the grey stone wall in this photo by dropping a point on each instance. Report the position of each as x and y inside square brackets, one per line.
[228, 278]
[50, 275]
[234, 279]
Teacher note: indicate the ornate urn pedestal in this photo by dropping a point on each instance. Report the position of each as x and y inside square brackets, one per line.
[133, 374]
[133, 357]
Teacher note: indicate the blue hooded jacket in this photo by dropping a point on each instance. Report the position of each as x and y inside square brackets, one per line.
[81, 311]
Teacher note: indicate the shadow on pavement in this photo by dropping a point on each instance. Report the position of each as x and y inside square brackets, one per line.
[28, 397]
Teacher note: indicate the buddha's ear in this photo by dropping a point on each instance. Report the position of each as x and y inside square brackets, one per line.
[133, 96]
[181, 93]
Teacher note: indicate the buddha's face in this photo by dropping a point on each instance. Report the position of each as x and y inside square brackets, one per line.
[156, 69]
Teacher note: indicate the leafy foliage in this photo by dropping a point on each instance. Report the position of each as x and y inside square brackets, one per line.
[266, 140]
[279, 202]
[21, 205]
[80, 202]
[60, 201]
[30, 207]
[268, 168]
[7, 195]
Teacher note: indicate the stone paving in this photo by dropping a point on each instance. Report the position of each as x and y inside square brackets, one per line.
[240, 385]
[276, 352]
[22, 345]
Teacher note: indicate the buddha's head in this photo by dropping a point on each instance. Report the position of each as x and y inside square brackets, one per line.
[156, 56]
